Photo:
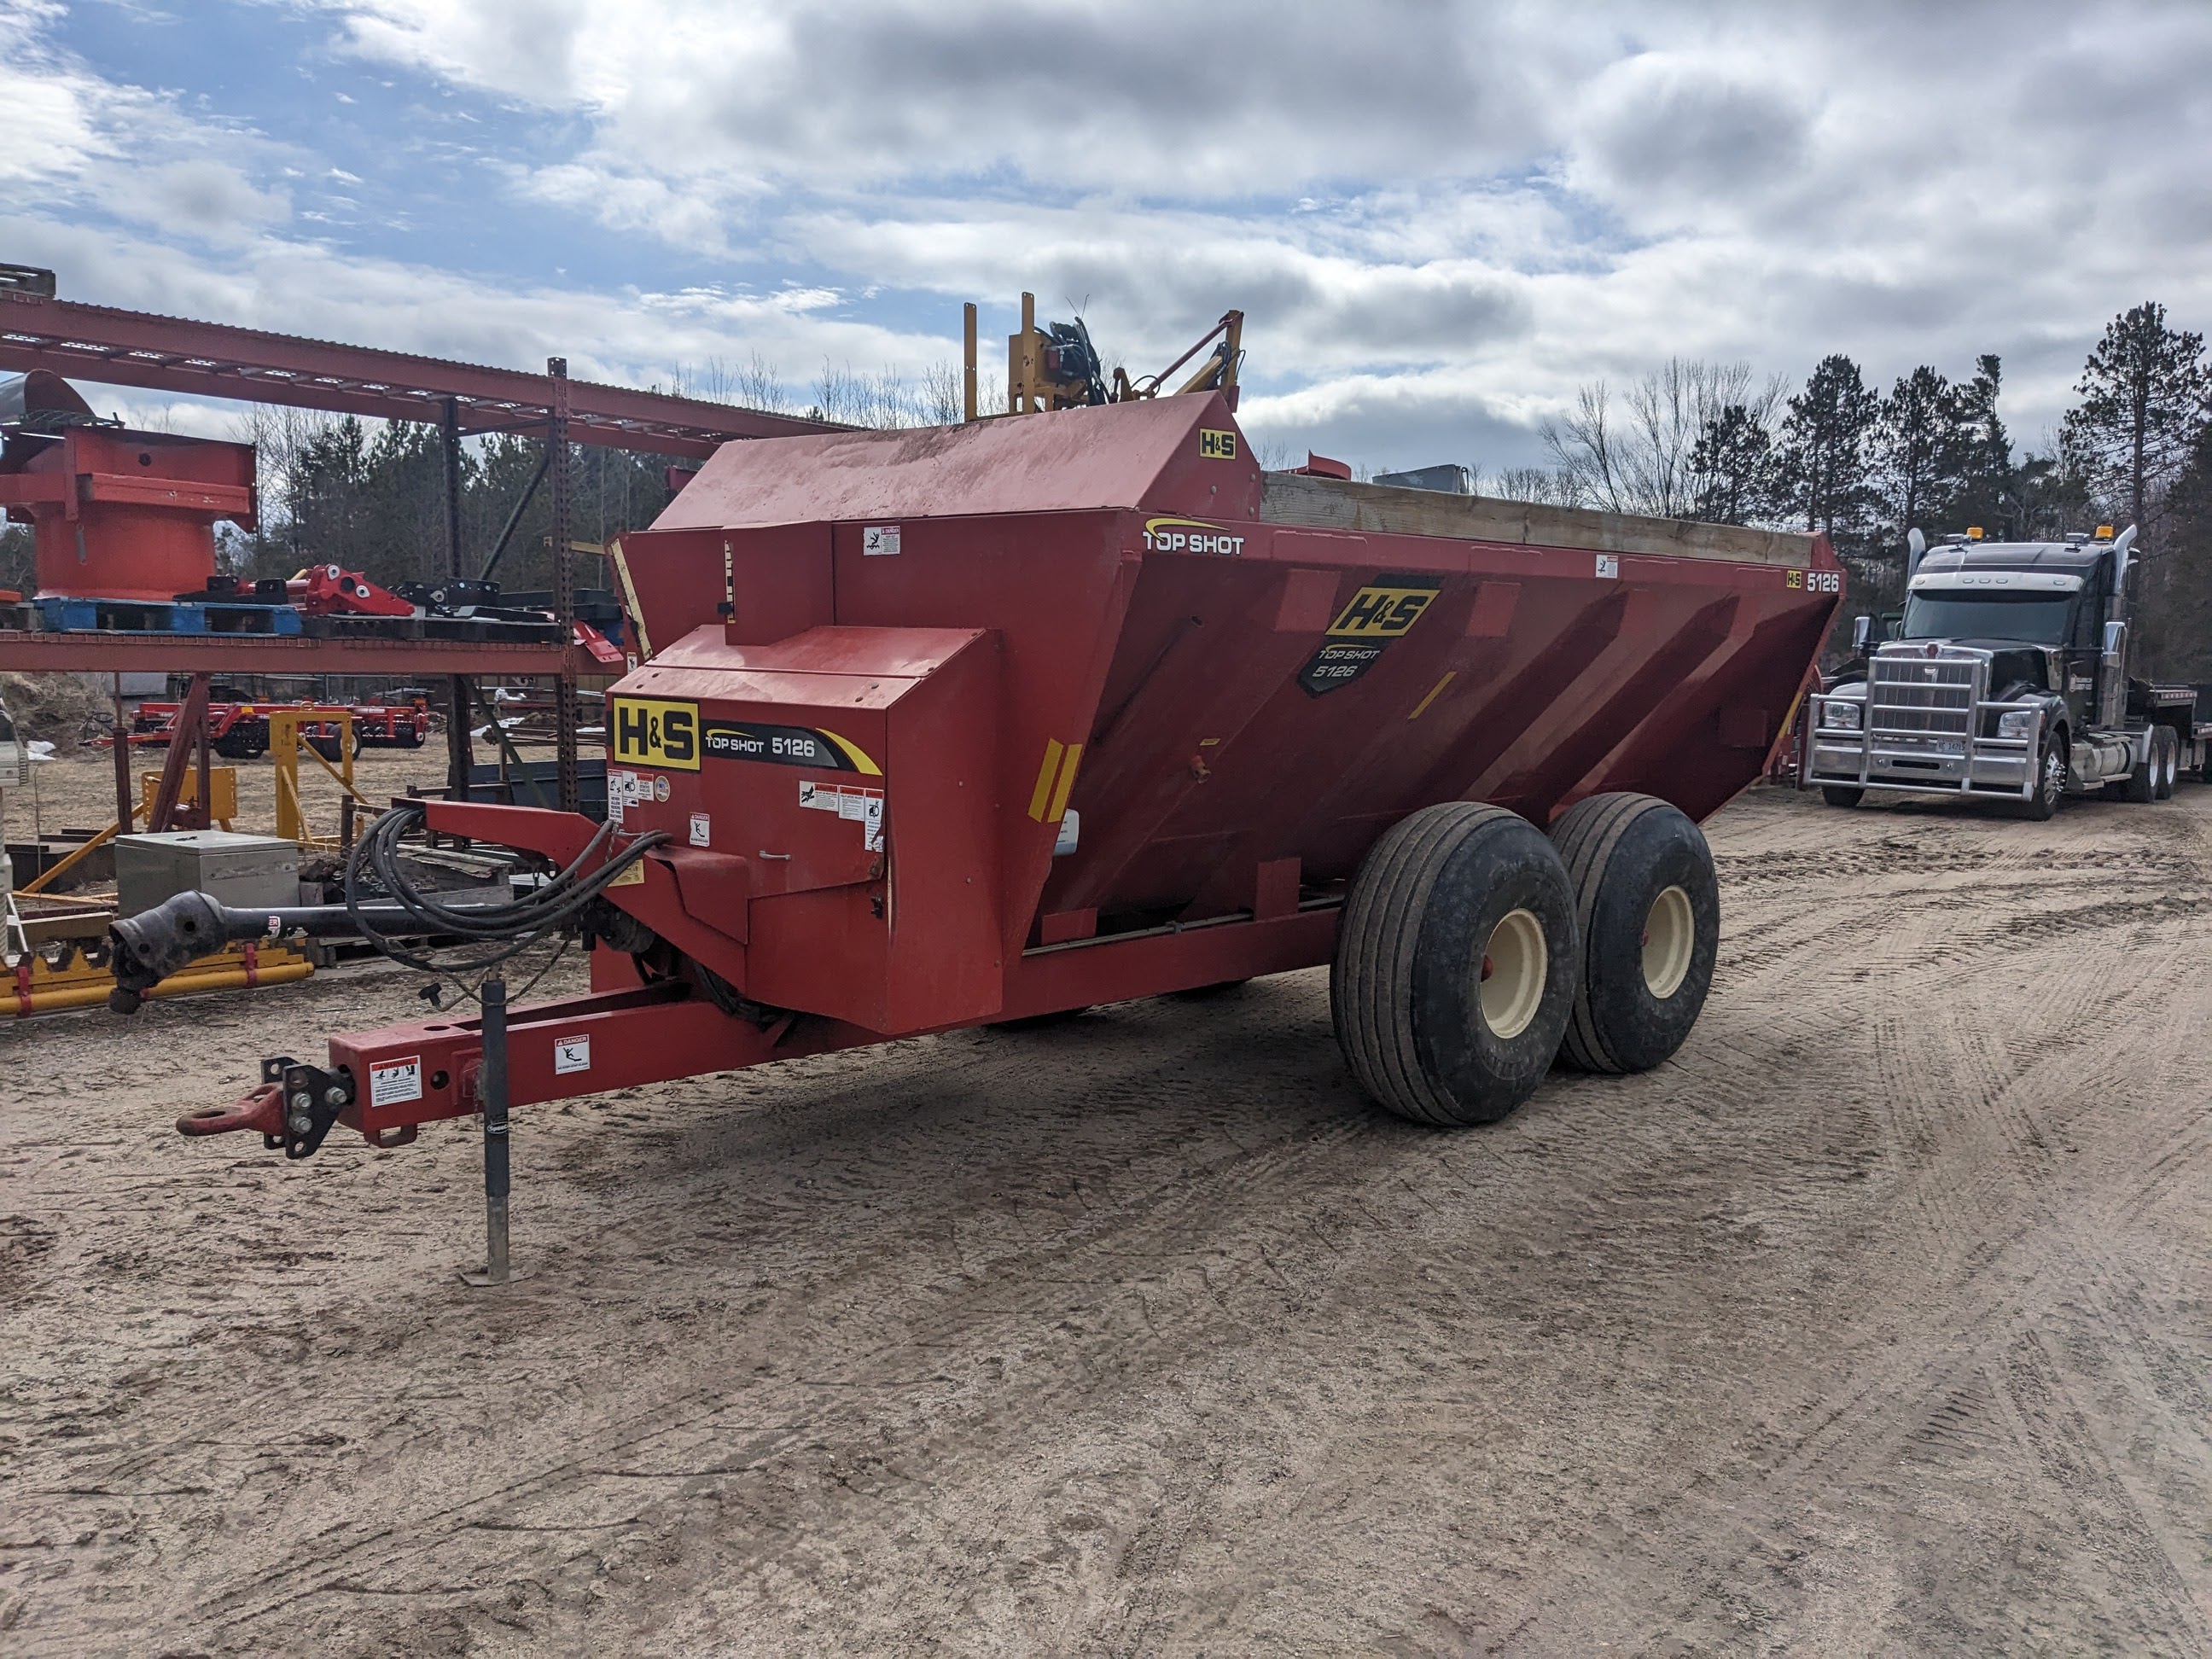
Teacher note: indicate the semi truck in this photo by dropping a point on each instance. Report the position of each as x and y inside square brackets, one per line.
[2006, 678]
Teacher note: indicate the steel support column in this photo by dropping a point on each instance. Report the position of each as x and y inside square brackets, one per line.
[566, 717]
[122, 801]
[189, 730]
[459, 762]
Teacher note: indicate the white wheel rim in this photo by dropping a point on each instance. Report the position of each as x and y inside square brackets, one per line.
[1670, 937]
[1515, 965]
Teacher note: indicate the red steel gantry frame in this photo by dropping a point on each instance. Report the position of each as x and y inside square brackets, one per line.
[215, 360]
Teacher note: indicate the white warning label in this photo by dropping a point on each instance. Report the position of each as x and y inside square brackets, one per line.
[850, 802]
[622, 790]
[879, 539]
[572, 1054]
[702, 829]
[396, 1080]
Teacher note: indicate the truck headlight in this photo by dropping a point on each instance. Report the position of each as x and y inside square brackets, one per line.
[2016, 724]
[1838, 714]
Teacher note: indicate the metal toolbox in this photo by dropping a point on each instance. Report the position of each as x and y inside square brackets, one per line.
[248, 872]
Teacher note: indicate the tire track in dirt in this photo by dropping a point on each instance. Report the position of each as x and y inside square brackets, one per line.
[1149, 1224]
[1142, 1335]
[1980, 1155]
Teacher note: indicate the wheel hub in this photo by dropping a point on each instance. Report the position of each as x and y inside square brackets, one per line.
[1515, 965]
[1670, 936]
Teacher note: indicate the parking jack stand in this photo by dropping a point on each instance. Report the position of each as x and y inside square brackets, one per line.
[491, 1081]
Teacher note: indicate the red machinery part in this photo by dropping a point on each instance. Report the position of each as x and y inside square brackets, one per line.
[601, 649]
[124, 515]
[327, 590]
[969, 724]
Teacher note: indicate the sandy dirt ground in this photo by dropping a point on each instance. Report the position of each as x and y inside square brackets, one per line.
[1875, 1323]
[78, 792]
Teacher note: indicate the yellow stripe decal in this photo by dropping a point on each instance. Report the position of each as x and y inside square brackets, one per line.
[1434, 691]
[1067, 783]
[853, 753]
[1046, 773]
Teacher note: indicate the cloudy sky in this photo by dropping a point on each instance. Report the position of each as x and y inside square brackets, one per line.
[1438, 218]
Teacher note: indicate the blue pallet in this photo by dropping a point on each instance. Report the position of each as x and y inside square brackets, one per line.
[74, 616]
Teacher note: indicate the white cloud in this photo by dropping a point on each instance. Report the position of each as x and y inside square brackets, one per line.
[1439, 218]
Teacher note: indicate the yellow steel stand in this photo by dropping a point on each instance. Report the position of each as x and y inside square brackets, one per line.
[285, 741]
[35, 986]
[223, 788]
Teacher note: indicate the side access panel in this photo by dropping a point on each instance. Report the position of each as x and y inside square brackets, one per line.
[851, 770]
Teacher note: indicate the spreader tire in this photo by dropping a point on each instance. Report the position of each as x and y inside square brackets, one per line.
[1647, 909]
[1455, 963]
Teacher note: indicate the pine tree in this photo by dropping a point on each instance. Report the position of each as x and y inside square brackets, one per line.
[1732, 464]
[1987, 491]
[2143, 395]
[1821, 462]
[2185, 622]
[1917, 449]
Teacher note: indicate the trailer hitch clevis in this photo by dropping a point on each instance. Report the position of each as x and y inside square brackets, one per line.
[294, 1108]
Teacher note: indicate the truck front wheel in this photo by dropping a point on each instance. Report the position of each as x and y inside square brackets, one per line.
[1456, 964]
[1647, 907]
[1836, 794]
[2049, 780]
[2167, 748]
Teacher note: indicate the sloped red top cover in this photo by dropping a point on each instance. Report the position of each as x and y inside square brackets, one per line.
[1111, 456]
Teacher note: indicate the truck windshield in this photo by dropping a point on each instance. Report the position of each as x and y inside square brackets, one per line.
[2032, 618]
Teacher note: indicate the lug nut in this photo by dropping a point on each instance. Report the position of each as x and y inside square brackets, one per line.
[301, 1123]
[302, 1101]
[335, 1095]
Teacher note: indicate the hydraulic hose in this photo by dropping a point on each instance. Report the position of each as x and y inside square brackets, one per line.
[510, 927]
[150, 947]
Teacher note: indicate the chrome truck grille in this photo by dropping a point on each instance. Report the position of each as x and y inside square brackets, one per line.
[1913, 695]
[1925, 722]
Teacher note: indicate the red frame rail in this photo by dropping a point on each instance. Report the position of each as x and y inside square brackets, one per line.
[217, 360]
[102, 653]
[422, 1071]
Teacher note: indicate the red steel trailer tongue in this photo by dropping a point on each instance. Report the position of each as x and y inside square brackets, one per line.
[964, 725]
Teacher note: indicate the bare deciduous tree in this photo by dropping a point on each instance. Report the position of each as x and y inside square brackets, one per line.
[943, 393]
[1642, 456]
[1542, 485]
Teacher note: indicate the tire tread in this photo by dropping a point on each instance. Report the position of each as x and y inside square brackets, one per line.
[1586, 835]
[1370, 980]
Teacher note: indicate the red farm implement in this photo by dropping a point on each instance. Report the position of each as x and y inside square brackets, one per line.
[959, 726]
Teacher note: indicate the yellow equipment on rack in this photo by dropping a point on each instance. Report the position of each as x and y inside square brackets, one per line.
[287, 742]
[222, 790]
[67, 964]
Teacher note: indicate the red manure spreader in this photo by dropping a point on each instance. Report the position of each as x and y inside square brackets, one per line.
[968, 724]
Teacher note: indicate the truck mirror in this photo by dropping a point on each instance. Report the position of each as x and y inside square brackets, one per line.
[1862, 631]
[2116, 640]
